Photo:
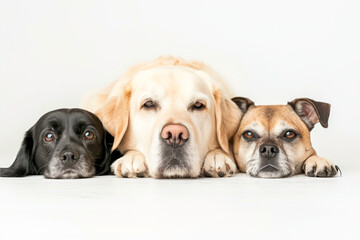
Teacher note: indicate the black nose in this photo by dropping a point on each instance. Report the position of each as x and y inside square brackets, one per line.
[268, 151]
[69, 156]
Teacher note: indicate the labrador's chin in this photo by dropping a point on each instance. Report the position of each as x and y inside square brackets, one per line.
[174, 172]
[175, 161]
[171, 167]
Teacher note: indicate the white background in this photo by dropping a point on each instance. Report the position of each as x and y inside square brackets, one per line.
[54, 52]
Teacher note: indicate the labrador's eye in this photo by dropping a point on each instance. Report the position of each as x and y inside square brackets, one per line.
[290, 135]
[249, 136]
[88, 135]
[198, 106]
[149, 104]
[49, 137]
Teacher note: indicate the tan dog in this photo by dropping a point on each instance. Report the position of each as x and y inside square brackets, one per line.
[274, 141]
[170, 118]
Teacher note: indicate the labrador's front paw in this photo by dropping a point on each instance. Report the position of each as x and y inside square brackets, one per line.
[131, 165]
[218, 164]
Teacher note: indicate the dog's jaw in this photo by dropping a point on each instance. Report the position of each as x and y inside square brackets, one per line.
[82, 169]
[258, 167]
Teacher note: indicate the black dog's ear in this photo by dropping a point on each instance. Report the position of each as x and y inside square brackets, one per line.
[103, 167]
[24, 162]
[311, 112]
[243, 103]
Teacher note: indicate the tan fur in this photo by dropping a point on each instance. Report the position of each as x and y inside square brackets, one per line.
[116, 106]
[226, 123]
[99, 98]
[267, 120]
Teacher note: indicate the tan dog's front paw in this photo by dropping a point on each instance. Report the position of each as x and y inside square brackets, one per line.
[131, 165]
[319, 167]
[218, 164]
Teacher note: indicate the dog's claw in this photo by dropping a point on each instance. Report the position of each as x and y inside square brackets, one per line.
[140, 174]
[338, 169]
[322, 173]
[311, 173]
[207, 174]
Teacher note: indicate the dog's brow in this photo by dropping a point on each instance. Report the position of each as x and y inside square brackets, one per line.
[147, 97]
[282, 126]
[81, 125]
[201, 98]
[54, 123]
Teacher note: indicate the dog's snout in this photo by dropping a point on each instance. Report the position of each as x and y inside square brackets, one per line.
[268, 151]
[175, 134]
[69, 156]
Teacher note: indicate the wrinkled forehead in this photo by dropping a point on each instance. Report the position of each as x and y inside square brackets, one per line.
[273, 119]
[165, 82]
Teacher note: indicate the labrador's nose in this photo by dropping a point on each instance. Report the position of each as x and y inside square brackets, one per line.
[175, 134]
[69, 156]
[268, 151]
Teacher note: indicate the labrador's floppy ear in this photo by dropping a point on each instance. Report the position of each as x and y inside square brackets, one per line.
[24, 161]
[227, 116]
[243, 103]
[311, 112]
[114, 114]
[103, 166]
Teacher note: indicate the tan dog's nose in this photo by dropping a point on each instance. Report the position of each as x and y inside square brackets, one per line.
[175, 134]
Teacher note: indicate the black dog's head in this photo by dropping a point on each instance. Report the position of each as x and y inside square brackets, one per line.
[65, 143]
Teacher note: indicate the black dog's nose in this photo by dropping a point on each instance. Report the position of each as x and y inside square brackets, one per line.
[268, 151]
[69, 156]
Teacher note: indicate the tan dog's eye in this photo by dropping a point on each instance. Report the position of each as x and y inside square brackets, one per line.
[49, 137]
[198, 106]
[149, 104]
[248, 135]
[88, 135]
[290, 135]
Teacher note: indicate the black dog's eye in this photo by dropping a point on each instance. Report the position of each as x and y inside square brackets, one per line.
[49, 137]
[290, 135]
[248, 135]
[88, 135]
[198, 106]
[149, 104]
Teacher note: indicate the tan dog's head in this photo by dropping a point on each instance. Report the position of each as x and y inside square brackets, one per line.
[174, 113]
[274, 141]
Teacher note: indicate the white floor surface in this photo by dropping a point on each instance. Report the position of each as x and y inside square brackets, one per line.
[240, 207]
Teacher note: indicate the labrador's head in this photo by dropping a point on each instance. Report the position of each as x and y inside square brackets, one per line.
[173, 115]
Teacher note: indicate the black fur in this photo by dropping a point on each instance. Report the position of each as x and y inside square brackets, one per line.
[38, 156]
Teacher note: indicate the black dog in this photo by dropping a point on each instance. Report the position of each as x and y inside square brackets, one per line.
[65, 143]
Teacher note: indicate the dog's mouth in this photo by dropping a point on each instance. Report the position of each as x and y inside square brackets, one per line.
[269, 168]
[66, 174]
[81, 169]
[173, 168]
[174, 161]
[70, 174]
[74, 174]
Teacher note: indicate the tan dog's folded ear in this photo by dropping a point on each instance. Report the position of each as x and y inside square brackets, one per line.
[311, 112]
[243, 103]
[114, 114]
[228, 117]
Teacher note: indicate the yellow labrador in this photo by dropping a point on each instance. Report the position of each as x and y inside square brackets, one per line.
[170, 118]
